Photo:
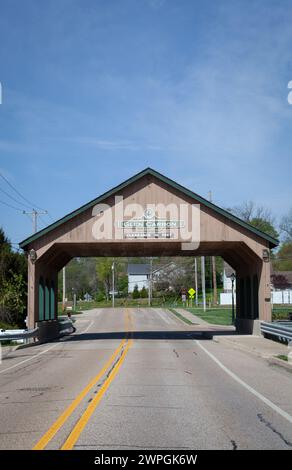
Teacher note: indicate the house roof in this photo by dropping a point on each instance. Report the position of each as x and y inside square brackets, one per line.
[138, 269]
[149, 171]
[228, 269]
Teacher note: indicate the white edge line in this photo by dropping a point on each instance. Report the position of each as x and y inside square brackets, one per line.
[268, 402]
[164, 318]
[42, 352]
[28, 359]
[87, 328]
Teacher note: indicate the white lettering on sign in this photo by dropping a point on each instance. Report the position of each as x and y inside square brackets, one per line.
[133, 221]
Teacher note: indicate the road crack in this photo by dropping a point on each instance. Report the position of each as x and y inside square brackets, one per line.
[270, 426]
[234, 445]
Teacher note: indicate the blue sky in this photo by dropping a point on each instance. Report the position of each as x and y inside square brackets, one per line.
[96, 90]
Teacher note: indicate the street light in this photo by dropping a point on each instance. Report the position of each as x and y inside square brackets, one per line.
[232, 277]
[113, 284]
[33, 255]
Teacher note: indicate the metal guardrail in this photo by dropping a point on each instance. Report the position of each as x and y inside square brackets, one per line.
[282, 330]
[66, 326]
[10, 335]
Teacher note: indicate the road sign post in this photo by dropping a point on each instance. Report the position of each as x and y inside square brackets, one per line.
[191, 292]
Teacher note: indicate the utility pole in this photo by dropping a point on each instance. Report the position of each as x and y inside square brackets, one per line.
[196, 281]
[203, 281]
[113, 283]
[150, 284]
[215, 297]
[35, 215]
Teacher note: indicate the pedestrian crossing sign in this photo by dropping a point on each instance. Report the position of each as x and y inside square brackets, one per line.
[191, 292]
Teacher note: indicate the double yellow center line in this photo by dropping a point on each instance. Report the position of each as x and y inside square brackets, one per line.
[121, 350]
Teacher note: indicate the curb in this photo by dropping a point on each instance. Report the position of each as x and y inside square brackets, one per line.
[271, 359]
[178, 318]
[6, 350]
[275, 361]
[219, 339]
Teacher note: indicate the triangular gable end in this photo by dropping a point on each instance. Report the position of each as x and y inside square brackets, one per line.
[149, 171]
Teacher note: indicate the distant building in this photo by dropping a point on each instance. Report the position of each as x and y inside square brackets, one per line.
[227, 284]
[226, 295]
[87, 297]
[138, 274]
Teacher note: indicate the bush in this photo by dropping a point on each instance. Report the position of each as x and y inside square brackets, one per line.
[100, 297]
[143, 293]
[13, 300]
[136, 293]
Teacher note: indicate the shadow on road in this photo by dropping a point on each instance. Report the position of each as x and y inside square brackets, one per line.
[154, 335]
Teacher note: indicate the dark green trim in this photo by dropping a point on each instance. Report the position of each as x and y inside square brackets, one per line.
[52, 301]
[47, 300]
[149, 171]
[41, 315]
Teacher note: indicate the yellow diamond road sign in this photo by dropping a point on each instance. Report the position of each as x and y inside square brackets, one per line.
[192, 292]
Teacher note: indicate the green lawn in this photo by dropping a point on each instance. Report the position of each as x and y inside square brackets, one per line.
[119, 302]
[223, 316]
[283, 357]
[215, 316]
[281, 312]
[181, 317]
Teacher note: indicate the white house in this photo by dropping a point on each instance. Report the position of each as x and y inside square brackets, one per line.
[138, 274]
[226, 295]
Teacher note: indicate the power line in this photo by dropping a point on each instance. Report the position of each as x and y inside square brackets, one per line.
[13, 199]
[34, 213]
[12, 207]
[49, 215]
[45, 224]
[19, 194]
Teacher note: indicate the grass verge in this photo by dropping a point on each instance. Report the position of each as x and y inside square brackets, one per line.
[283, 357]
[178, 315]
[214, 316]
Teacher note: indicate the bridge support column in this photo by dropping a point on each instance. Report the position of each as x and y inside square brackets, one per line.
[42, 299]
[253, 297]
[31, 295]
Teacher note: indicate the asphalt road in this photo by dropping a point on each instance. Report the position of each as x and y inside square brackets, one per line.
[141, 379]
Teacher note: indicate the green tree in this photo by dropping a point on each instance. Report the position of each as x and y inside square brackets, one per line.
[122, 284]
[256, 215]
[13, 283]
[144, 293]
[136, 293]
[286, 226]
[265, 226]
[81, 277]
[13, 300]
[104, 273]
[283, 258]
